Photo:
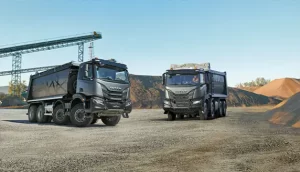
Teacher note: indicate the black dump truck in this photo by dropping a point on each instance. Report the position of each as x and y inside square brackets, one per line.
[80, 93]
[194, 90]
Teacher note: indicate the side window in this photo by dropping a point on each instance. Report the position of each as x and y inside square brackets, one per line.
[202, 79]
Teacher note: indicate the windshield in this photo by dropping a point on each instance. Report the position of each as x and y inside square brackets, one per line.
[182, 79]
[112, 74]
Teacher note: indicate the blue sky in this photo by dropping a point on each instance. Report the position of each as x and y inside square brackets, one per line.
[248, 39]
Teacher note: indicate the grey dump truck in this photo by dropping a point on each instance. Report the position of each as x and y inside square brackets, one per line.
[80, 93]
[194, 90]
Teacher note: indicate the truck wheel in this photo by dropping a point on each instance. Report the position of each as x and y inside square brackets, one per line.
[203, 116]
[212, 110]
[219, 109]
[41, 118]
[59, 115]
[94, 121]
[78, 116]
[32, 114]
[72, 84]
[111, 120]
[181, 116]
[224, 108]
[171, 116]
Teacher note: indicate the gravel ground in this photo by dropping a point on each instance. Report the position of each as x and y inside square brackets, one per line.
[242, 141]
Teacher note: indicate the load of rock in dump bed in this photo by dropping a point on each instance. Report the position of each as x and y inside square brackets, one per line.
[282, 88]
[286, 113]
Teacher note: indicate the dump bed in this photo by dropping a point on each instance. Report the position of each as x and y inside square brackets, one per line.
[217, 83]
[52, 83]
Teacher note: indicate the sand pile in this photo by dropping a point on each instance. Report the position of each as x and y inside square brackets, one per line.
[280, 88]
[286, 113]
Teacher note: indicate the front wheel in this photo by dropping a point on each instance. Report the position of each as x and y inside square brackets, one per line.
[171, 116]
[78, 116]
[203, 115]
[111, 120]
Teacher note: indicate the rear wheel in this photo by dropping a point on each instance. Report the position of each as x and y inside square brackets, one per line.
[78, 116]
[224, 108]
[32, 114]
[219, 109]
[111, 120]
[41, 118]
[59, 115]
[181, 116]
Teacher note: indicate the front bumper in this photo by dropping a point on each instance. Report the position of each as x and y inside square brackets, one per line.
[104, 108]
[190, 108]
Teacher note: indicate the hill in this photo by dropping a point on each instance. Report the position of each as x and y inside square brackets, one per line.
[4, 89]
[286, 113]
[281, 88]
[146, 92]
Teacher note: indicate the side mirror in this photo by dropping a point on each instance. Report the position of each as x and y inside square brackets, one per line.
[164, 79]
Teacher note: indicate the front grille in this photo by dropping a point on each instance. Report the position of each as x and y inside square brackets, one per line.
[114, 95]
[180, 100]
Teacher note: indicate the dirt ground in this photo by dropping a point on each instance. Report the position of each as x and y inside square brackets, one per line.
[242, 141]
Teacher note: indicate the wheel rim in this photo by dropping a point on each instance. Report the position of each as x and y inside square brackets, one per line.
[60, 115]
[80, 115]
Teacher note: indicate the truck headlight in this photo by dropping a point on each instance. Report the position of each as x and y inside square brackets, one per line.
[166, 102]
[98, 101]
[197, 102]
[128, 103]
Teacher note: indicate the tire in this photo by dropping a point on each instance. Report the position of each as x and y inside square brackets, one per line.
[171, 116]
[224, 109]
[204, 115]
[181, 116]
[32, 114]
[40, 114]
[59, 116]
[212, 110]
[218, 112]
[94, 121]
[111, 121]
[221, 109]
[72, 84]
[78, 117]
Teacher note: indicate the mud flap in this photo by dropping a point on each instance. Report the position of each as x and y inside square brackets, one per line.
[125, 115]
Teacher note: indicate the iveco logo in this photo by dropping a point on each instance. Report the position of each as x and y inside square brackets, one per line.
[181, 92]
[115, 88]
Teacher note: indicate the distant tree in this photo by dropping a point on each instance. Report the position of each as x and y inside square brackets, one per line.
[258, 82]
[20, 88]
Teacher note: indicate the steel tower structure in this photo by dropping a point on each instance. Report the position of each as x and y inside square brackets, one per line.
[16, 51]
